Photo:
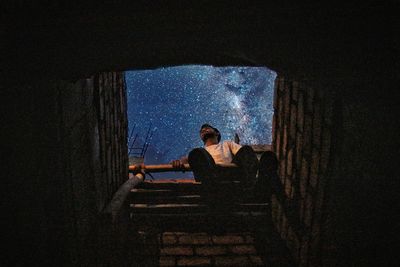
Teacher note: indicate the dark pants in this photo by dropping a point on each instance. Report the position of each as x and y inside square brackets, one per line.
[205, 169]
[213, 177]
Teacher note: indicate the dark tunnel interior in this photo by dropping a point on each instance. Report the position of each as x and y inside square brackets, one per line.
[64, 119]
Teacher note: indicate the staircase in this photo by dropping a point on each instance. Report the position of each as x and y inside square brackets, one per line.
[182, 223]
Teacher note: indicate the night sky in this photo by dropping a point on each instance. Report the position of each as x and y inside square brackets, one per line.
[174, 102]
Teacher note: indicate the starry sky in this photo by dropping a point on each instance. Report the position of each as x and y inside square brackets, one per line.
[174, 102]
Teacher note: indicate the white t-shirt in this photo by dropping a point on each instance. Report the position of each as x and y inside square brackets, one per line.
[223, 152]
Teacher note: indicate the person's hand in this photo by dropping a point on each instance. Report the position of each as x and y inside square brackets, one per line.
[139, 171]
[177, 164]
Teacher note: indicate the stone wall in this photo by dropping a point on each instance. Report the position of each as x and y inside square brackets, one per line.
[68, 155]
[302, 126]
[349, 47]
[94, 123]
[111, 110]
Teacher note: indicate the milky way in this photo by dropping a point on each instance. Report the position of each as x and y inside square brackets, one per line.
[174, 102]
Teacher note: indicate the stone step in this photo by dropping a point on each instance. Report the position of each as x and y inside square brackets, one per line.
[171, 185]
[172, 199]
[167, 208]
[154, 196]
[186, 186]
[162, 192]
[161, 198]
[180, 208]
[201, 221]
[175, 205]
[224, 192]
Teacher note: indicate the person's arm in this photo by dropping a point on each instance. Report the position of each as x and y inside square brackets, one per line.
[178, 163]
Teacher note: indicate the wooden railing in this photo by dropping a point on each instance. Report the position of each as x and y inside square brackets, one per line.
[170, 168]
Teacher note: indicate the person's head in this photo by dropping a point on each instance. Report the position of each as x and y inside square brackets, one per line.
[207, 132]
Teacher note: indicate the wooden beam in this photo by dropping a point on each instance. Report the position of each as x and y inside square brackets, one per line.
[170, 168]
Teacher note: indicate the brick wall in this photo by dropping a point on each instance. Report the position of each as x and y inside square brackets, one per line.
[66, 143]
[302, 127]
[111, 110]
[202, 249]
[94, 126]
[92, 157]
